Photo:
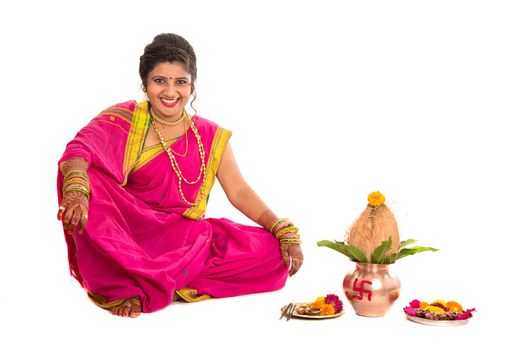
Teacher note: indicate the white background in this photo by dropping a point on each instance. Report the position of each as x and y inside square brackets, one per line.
[327, 101]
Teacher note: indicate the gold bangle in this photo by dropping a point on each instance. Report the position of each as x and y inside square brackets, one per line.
[78, 189]
[279, 221]
[291, 236]
[290, 241]
[289, 229]
[82, 173]
[76, 180]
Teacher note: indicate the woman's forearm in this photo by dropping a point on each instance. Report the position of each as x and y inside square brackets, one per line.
[250, 204]
[73, 164]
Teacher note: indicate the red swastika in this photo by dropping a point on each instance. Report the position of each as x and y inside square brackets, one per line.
[361, 289]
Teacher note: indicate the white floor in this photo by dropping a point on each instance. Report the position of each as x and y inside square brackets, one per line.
[45, 309]
[328, 102]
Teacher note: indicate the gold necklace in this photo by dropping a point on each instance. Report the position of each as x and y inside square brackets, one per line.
[176, 168]
[187, 141]
[165, 122]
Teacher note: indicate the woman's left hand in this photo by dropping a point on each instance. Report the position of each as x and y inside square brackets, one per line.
[293, 258]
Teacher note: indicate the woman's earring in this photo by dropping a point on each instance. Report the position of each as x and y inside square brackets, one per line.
[145, 93]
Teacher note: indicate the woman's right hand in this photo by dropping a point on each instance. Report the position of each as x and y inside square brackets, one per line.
[73, 211]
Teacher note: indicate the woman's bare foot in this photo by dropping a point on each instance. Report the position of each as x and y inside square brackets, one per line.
[129, 308]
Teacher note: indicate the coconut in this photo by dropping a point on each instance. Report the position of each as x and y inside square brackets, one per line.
[375, 225]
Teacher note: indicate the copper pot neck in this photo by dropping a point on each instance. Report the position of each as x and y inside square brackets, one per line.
[372, 267]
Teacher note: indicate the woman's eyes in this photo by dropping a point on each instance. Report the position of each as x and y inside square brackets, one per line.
[179, 82]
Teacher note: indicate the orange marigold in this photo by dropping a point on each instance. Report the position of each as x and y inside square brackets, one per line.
[320, 302]
[376, 199]
[327, 310]
[454, 306]
[423, 304]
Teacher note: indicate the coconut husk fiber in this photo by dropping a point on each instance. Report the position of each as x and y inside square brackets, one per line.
[375, 225]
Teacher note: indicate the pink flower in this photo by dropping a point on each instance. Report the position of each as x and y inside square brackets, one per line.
[335, 301]
[415, 303]
[410, 311]
[466, 314]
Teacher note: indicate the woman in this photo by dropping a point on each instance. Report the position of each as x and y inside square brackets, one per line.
[133, 186]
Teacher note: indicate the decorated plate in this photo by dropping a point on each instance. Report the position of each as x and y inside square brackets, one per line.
[440, 323]
[297, 315]
[438, 313]
[326, 306]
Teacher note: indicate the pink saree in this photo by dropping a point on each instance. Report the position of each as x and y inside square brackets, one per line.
[141, 238]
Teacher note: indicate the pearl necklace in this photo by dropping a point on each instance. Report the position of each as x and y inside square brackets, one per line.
[175, 166]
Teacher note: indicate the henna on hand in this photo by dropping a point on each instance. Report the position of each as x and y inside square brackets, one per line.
[73, 211]
[292, 256]
[74, 207]
[267, 219]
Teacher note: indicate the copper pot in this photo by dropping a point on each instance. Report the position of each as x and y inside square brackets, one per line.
[371, 289]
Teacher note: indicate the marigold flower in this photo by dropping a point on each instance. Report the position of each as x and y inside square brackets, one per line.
[454, 306]
[439, 305]
[327, 310]
[319, 302]
[423, 304]
[376, 199]
[441, 302]
[434, 309]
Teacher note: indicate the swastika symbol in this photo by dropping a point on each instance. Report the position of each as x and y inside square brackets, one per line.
[361, 289]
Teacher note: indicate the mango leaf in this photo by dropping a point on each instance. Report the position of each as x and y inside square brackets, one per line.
[380, 252]
[359, 255]
[350, 251]
[338, 246]
[403, 244]
[414, 250]
[390, 259]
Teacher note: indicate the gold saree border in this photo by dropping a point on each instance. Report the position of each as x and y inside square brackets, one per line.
[187, 294]
[151, 152]
[190, 295]
[101, 302]
[117, 111]
[136, 138]
[198, 210]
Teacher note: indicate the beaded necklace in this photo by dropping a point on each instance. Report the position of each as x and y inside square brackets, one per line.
[175, 166]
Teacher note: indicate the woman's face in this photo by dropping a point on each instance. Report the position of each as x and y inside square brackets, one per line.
[168, 89]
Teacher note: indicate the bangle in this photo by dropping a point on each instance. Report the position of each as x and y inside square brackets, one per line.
[76, 188]
[280, 222]
[289, 236]
[76, 181]
[81, 173]
[289, 229]
[290, 241]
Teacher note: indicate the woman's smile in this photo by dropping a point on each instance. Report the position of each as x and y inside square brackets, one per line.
[171, 102]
